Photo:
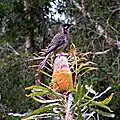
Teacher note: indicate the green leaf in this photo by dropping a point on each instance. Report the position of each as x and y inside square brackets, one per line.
[90, 89]
[103, 113]
[88, 97]
[47, 101]
[38, 94]
[35, 87]
[80, 67]
[107, 100]
[94, 103]
[42, 110]
[44, 115]
[45, 73]
[87, 69]
[81, 59]
[80, 92]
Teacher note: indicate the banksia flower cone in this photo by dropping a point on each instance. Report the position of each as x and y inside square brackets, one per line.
[62, 76]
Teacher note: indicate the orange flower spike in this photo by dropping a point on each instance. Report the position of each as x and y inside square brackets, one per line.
[62, 76]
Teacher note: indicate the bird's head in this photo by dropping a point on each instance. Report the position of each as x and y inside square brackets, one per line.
[65, 28]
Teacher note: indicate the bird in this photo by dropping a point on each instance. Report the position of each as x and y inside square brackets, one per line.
[60, 41]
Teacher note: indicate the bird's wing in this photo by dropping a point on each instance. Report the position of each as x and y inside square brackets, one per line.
[57, 41]
[58, 37]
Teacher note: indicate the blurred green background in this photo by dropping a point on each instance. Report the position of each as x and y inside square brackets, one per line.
[27, 26]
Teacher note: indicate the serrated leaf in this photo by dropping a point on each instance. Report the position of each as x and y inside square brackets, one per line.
[90, 89]
[94, 103]
[47, 101]
[103, 113]
[80, 92]
[35, 87]
[38, 94]
[88, 97]
[47, 115]
[45, 73]
[81, 59]
[80, 67]
[42, 110]
[107, 100]
[87, 70]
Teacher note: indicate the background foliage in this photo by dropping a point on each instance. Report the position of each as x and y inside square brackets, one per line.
[27, 26]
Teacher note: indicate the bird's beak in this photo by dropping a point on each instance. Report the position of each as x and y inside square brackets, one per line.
[72, 25]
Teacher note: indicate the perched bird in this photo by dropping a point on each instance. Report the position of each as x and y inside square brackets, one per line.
[60, 41]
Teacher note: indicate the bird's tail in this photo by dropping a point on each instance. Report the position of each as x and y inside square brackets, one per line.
[42, 65]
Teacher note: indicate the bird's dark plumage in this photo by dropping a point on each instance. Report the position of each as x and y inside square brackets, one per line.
[59, 41]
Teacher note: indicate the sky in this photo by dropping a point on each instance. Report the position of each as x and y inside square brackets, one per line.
[57, 15]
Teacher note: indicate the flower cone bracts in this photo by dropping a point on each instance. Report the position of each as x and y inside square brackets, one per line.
[62, 76]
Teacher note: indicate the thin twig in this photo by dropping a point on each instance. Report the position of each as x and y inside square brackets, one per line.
[98, 53]
[77, 5]
[16, 53]
[35, 58]
[99, 27]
